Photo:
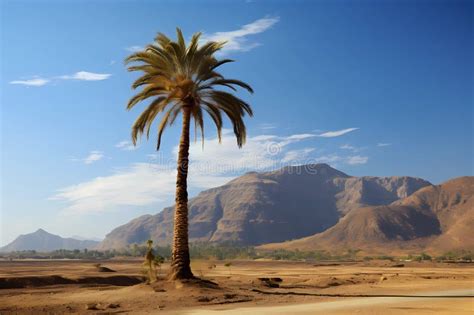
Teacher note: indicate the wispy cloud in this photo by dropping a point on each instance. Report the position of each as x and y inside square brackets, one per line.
[337, 133]
[335, 160]
[383, 144]
[301, 136]
[357, 159]
[351, 148]
[332, 159]
[134, 48]
[347, 147]
[31, 82]
[86, 76]
[140, 184]
[93, 156]
[237, 40]
[297, 156]
[80, 76]
[259, 153]
[126, 145]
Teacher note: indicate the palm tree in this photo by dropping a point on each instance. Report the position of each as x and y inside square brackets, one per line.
[180, 79]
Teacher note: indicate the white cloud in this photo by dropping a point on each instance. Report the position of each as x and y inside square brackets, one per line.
[301, 136]
[126, 145]
[134, 48]
[335, 160]
[297, 156]
[264, 137]
[329, 159]
[86, 76]
[259, 153]
[31, 82]
[139, 185]
[81, 75]
[357, 159]
[93, 156]
[383, 144]
[237, 39]
[228, 158]
[352, 148]
[347, 147]
[337, 133]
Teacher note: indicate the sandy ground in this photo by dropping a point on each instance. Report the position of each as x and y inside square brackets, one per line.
[380, 287]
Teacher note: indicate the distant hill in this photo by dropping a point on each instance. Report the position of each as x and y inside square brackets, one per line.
[43, 241]
[435, 219]
[259, 208]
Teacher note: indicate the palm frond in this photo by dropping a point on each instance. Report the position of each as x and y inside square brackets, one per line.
[163, 123]
[145, 68]
[181, 42]
[227, 99]
[174, 114]
[229, 82]
[162, 39]
[216, 116]
[149, 78]
[147, 116]
[145, 57]
[147, 92]
[175, 76]
[220, 63]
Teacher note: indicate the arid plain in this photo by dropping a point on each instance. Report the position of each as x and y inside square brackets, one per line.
[244, 287]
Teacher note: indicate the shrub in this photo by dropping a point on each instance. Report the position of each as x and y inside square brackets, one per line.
[151, 262]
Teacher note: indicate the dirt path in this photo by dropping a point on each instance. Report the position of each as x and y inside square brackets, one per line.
[440, 302]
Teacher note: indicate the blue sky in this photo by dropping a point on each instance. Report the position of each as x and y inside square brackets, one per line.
[376, 88]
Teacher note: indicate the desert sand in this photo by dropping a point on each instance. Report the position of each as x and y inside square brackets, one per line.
[244, 287]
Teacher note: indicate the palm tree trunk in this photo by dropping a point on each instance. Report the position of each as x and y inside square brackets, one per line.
[180, 262]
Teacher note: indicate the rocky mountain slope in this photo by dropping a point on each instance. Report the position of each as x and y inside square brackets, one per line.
[43, 241]
[259, 208]
[435, 218]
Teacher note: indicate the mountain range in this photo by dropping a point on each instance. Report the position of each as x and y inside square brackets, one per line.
[43, 241]
[435, 218]
[259, 208]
